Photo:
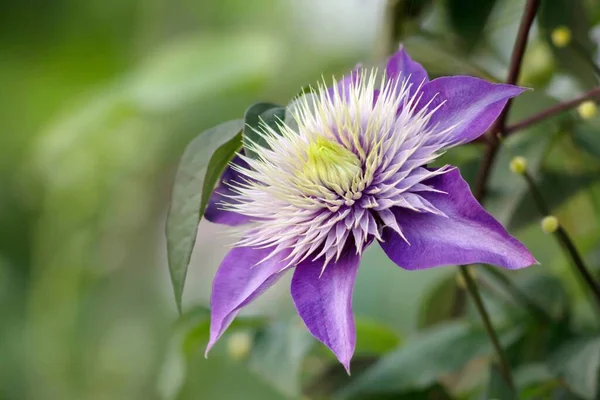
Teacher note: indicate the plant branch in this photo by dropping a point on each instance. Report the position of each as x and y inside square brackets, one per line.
[549, 112]
[499, 126]
[564, 239]
[485, 169]
[487, 323]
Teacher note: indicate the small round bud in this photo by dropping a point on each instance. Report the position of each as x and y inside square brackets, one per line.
[238, 345]
[518, 165]
[561, 36]
[587, 109]
[549, 224]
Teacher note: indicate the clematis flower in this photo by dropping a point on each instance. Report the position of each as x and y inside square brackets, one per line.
[354, 171]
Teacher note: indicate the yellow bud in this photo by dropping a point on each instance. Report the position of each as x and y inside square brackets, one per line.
[549, 224]
[561, 36]
[518, 165]
[239, 345]
[587, 109]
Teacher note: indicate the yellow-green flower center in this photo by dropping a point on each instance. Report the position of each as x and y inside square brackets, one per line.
[331, 165]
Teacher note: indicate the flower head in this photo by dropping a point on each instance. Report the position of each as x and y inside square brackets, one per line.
[353, 171]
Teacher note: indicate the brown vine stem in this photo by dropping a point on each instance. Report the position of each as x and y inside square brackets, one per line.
[492, 148]
[564, 239]
[499, 127]
[549, 112]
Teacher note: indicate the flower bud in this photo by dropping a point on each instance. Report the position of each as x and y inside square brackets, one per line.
[587, 109]
[561, 36]
[518, 165]
[549, 224]
[239, 345]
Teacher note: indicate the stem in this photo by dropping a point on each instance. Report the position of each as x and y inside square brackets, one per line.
[499, 126]
[487, 323]
[549, 112]
[486, 165]
[565, 240]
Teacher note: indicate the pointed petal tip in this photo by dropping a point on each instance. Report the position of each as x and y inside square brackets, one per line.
[347, 367]
[210, 345]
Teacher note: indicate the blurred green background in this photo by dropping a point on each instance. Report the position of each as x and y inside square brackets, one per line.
[99, 99]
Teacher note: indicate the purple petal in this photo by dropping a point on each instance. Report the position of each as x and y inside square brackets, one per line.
[469, 234]
[238, 281]
[214, 210]
[471, 105]
[401, 65]
[324, 302]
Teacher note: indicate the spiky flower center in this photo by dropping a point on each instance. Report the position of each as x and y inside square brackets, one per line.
[358, 153]
[331, 165]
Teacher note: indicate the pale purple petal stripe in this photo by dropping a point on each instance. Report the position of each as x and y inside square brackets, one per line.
[470, 106]
[469, 234]
[325, 302]
[237, 282]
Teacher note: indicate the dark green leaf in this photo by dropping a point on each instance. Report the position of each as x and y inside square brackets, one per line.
[468, 18]
[498, 387]
[578, 363]
[255, 116]
[187, 199]
[421, 361]
[547, 292]
[556, 188]
[438, 302]
[587, 136]
[534, 381]
[277, 355]
[575, 58]
[217, 164]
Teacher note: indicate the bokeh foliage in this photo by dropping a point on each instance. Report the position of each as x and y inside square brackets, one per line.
[99, 100]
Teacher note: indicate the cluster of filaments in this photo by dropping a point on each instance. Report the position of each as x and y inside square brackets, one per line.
[330, 184]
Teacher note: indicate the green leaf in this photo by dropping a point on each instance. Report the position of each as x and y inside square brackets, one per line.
[498, 387]
[534, 381]
[547, 292]
[587, 136]
[187, 198]
[556, 188]
[216, 166]
[438, 302]
[578, 363]
[421, 361]
[468, 18]
[374, 338]
[255, 116]
[277, 355]
[575, 58]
